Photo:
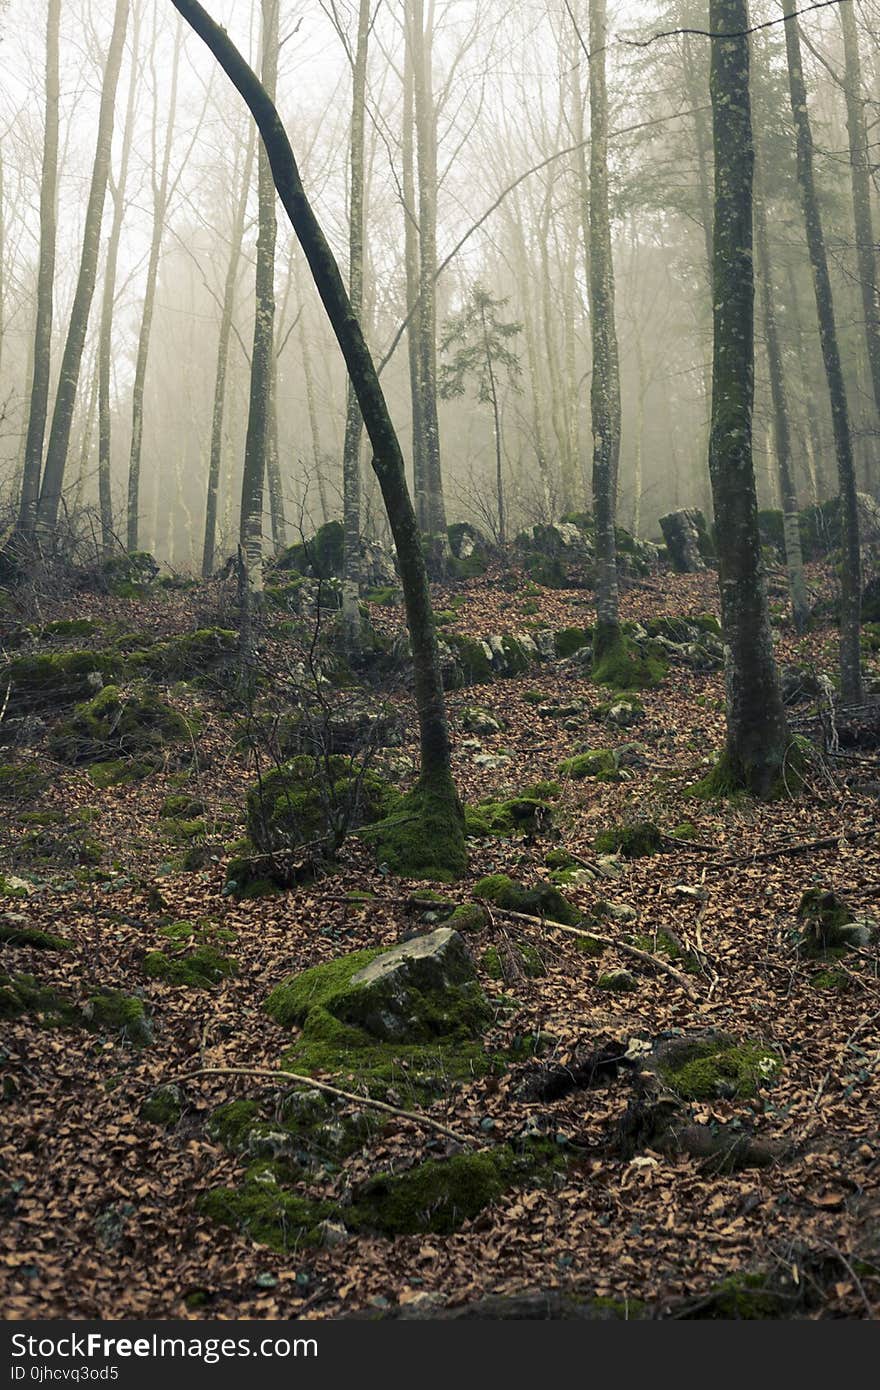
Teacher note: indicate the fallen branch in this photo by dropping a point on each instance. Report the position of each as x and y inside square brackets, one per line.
[263, 1072]
[643, 956]
[802, 847]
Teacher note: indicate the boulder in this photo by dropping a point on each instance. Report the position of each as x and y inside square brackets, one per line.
[687, 539]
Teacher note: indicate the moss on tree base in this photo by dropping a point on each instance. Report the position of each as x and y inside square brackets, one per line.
[424, 837]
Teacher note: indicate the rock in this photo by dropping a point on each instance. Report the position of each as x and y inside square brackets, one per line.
[618, 912]
[378, 568]
[687, 540]
[798, 683]
[618, 981]
[332, 1233]
[830, 924]
[477, 720]
[383, 996]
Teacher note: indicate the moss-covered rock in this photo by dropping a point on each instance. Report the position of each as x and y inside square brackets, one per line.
[714, 1065]
[107, 1011]
[181, 806]
[163, 1106]
[199, 968]
[15, 933]
[636, 840]
[830, 927]
[437, 1196]
[528, 958]
[467, 918]
[308, 800]
[117, 772]
[569, 640]
[625, 666]
[543, 900]
[114, 723]
[473, 659]
[617, 981]
[187, 656]
[518, 815]
[113, 1011]
[599, 763]
[45, 680]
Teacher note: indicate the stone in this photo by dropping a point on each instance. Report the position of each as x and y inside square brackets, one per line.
[686, 539]
[477, 720]
[390, 990]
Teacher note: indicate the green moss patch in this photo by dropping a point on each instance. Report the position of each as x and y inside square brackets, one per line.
[424, 836]
[199, 968]
[543, 900]
[163, 1106]
[114, 724]
[48, 679]
[637, 840]
[11, 934]
[22, 780]
[716, 1066]
[309, 799]
[517, 816]
[625, 666]
[107, 1011]
[598, 763]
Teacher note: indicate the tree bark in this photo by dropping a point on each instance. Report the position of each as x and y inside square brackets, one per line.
[851, 569]
[39, 403]
[866, 248]
[387, 458]
[227, 318]
[413, 302]
[781, 431]
[105, 345]
[757, 735]
[160, 209]
[605, 384]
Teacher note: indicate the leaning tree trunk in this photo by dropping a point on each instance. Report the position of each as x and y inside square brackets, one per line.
[39, 405]
[605, 386]
[757, 736]
[781, 431]
[413, 302]
[105, 345]
[851, 568]
[262, 361]
[227, 318]
[351, 453]
[866, 248]
[432, 814]
[71, 362]
[160, 209]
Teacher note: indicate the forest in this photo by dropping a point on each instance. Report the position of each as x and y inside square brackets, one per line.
[439, 660]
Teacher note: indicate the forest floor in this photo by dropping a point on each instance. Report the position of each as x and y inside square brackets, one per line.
[100, 1210]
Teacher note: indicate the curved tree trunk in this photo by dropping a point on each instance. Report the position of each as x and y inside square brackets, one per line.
[39, 404]
[71, 362]
[851, 568]
[757, 736]
[387, 459]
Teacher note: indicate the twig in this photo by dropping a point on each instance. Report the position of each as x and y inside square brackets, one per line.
[644, 956]
[802, 846]
[266, 1074]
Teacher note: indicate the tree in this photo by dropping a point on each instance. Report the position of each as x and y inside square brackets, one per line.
[605, 382]
[426, 835]
[757, 734]
[161, 194]
[39, 402]
[851, 567]
[866, 249]
[481, 341]
[262, 355]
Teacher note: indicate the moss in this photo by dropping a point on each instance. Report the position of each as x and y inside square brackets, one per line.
[183, 831]
[229, 1123]
[424, 836]
[468, 917]
[321, 556]
[635, 841]
[617, 981]
[47, 679]
[116, 772]
[181, 806]
[119, 724]
[706, 622]
[474, 662]
[541, 901]
[707, 1069]
[830, 979]
[71, 627]
[32, 937]
[25, 780]
[267, 1213]
[569, 640]
[436, 1196]
[491, 963]
[535, 697]
[773, 779]
[113, 1011]
[191, 654]
[199, 969]
[516, 657]
[685, 831]
[625, 667]
[600, 763]
[547, 570]
[746, 1296]
[543, 791]
[309, 799]
[519, 815]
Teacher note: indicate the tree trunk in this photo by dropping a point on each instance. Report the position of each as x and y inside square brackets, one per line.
[262, 359]
[105, 345]
[757, 736]
[413, 302]
[433, 810]
[866, 248]
[851, 569]
[781, 432]
[351, 452]
[39, 404]
[160, 209]
[421, 36]
[605, 385]
[227, 318]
